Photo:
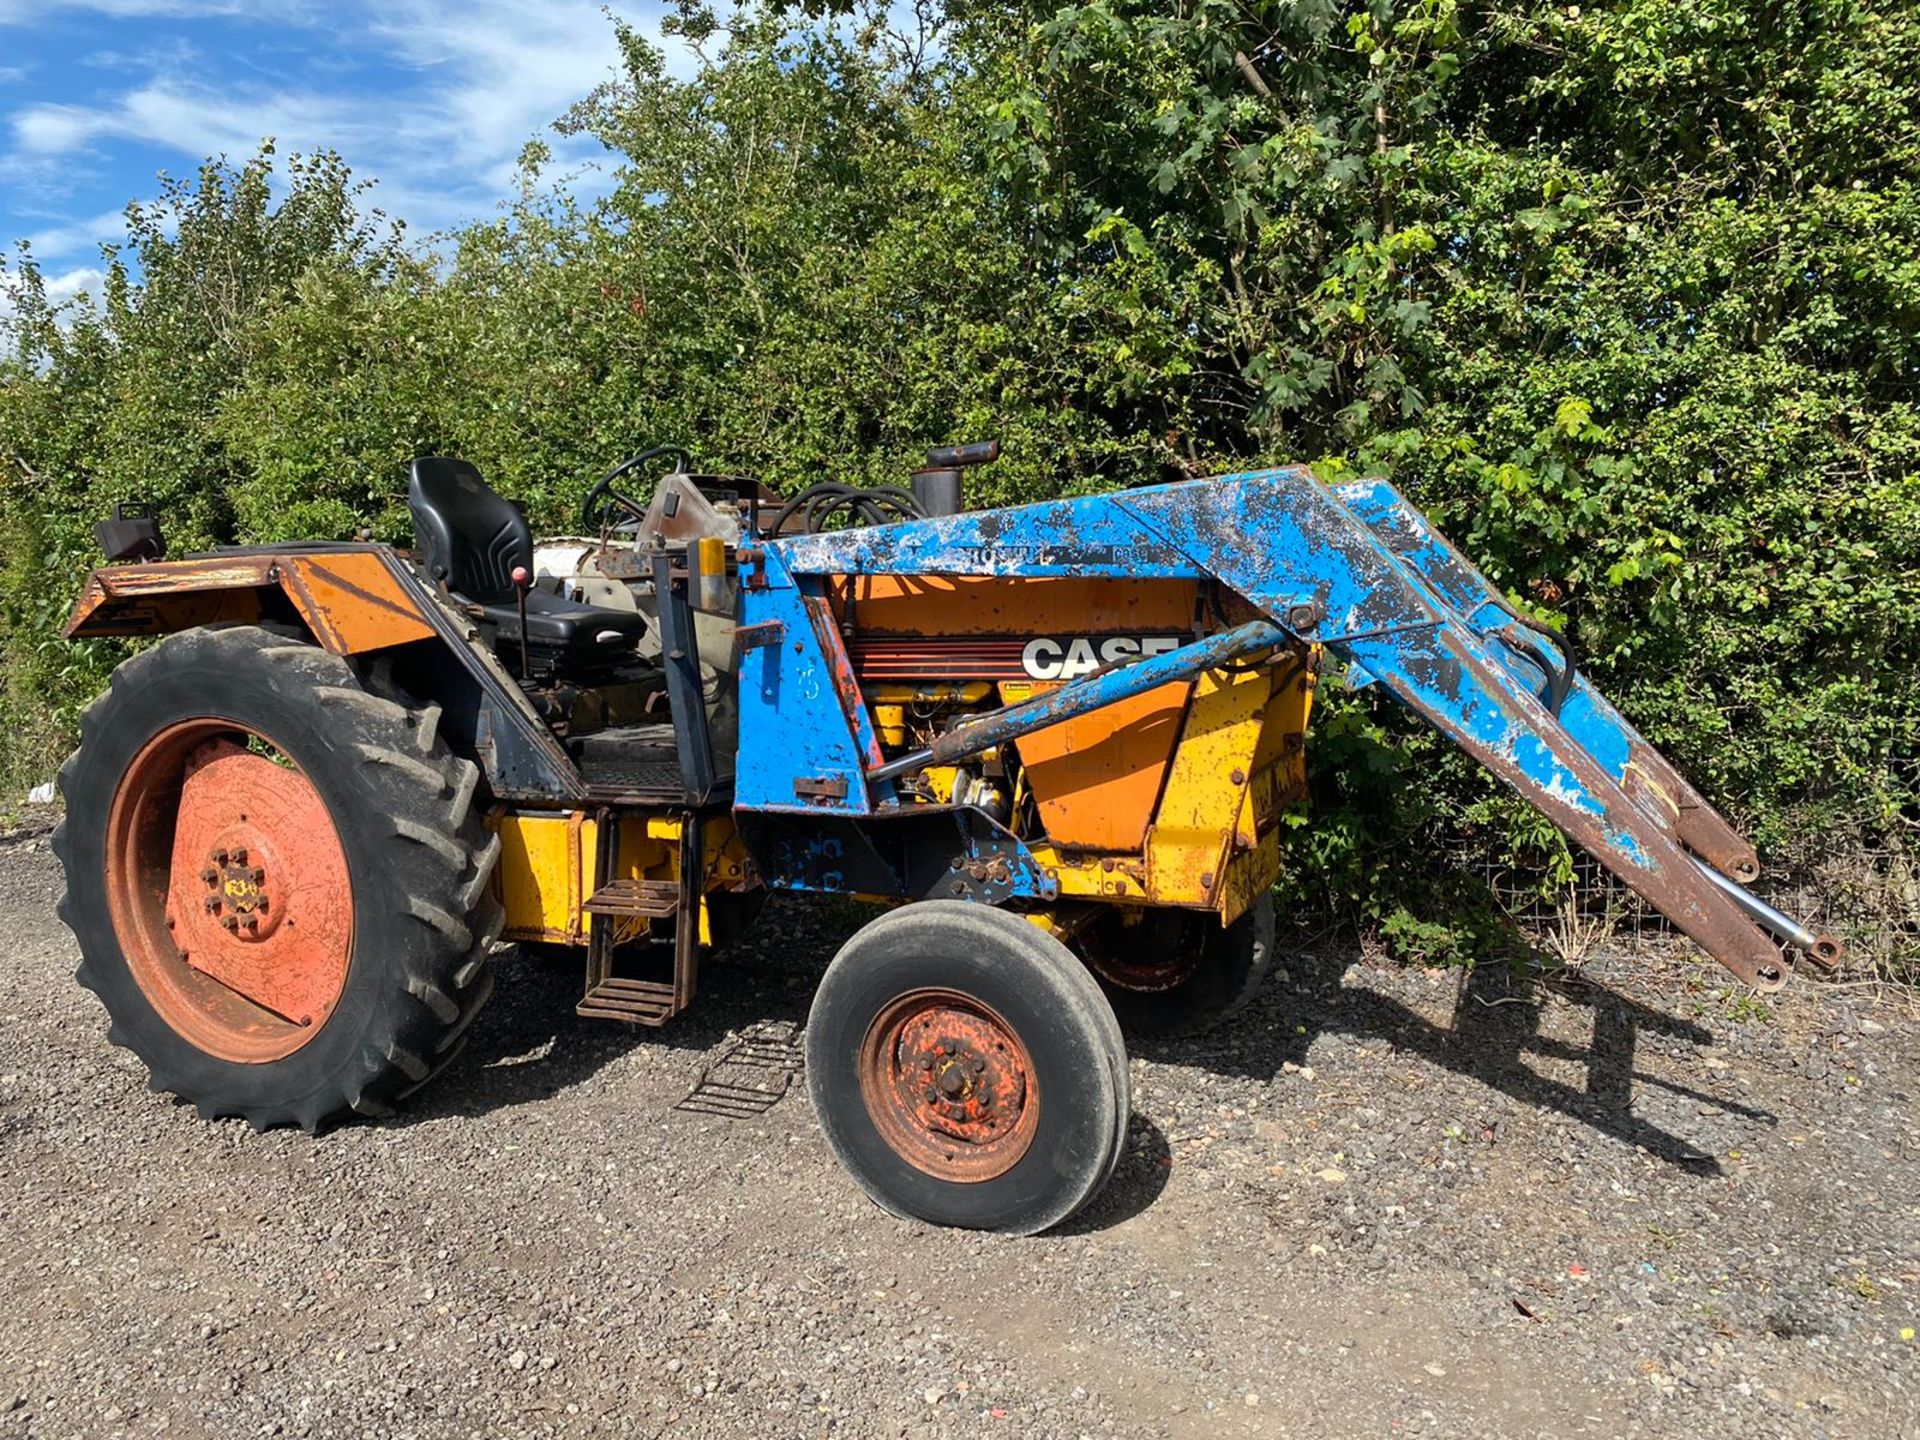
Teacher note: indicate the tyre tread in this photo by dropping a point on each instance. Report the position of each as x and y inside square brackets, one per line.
[438, 847]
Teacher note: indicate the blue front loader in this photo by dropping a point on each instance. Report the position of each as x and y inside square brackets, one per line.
[1352, 568]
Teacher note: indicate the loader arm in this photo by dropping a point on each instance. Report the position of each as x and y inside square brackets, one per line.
[1357, 570]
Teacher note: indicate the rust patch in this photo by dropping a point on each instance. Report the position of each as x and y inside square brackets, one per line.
[351, 600]
[949, 1086]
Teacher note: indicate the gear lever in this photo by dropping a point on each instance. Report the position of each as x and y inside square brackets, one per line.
[522, 581]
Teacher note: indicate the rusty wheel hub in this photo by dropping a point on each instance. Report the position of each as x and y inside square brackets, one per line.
[237, 893]
[949, 1085]
[230, 891]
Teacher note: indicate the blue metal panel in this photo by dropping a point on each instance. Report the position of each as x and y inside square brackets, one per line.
[1090, 536]
[798, 740]
[1585, 713]
[913, 852]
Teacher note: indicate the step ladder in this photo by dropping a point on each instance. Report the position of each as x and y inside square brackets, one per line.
[616, 997]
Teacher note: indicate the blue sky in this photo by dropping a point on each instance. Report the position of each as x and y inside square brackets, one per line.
[432, 98]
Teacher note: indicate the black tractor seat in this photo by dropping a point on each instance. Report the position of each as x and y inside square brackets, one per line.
[471, 539]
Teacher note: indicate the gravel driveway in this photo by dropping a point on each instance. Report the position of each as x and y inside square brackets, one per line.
[1385, 1203]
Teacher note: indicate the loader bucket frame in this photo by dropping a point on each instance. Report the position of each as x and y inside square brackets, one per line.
[1352, 568]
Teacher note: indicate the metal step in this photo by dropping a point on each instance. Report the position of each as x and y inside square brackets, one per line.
[644, 899]
[638, 1002]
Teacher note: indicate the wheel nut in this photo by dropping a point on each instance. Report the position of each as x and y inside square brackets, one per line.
[219, 857]
[212, 903]
[210, 876]
[240, 856]
[231, 922]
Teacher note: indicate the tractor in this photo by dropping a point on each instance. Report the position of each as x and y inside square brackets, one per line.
[1054, 743]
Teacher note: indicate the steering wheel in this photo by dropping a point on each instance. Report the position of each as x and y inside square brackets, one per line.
[604, 497]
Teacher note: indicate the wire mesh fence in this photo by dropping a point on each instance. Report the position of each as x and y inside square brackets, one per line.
[1866, 893]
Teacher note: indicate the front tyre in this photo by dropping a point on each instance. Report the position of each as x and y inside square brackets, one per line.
[277, 878]
[967, 1070]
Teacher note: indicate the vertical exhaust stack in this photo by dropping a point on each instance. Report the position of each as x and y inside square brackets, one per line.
[938, 487]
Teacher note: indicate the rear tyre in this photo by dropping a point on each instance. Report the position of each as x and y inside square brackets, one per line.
[278, 879]
[1178, 972]
[967, 1070]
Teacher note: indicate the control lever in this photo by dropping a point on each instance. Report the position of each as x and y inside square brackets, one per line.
[522, 582]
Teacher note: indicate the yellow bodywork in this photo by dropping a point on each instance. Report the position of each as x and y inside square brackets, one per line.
[546, 867]
[1213, 839]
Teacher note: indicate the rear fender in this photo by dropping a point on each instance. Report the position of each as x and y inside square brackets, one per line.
[358, 601]
[350, 600]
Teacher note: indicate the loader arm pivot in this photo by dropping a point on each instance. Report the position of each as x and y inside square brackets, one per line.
[1359, 571]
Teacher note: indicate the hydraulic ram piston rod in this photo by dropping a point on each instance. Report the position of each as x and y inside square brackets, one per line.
[1825, 950]
[1081, 696]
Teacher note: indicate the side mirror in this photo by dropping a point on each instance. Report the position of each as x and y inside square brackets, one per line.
[132, 534]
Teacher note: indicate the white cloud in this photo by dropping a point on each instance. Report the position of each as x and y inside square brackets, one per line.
[485, 77]
[59, 240]
[56, 129]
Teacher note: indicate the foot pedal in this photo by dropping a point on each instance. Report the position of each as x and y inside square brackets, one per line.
[638, 1002]
[635, 899]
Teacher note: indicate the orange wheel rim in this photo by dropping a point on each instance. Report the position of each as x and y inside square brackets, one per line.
[229, 891]
[950, 1086]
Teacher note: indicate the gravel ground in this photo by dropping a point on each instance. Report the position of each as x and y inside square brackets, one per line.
[1385, 1203]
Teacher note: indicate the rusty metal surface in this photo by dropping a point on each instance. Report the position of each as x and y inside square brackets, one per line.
[352, 602]
[749, 1075]
[949, 1086]
[1471, 698]
[350, 598]
[1600, 728]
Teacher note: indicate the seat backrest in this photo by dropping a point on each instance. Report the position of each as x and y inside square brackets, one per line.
[468, 536]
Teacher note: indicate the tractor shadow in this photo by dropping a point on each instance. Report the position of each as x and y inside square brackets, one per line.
[528, 1046]
[1494, 1036]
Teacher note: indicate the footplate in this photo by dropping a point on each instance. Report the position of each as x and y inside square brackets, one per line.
[637, 1002]
[635, 899]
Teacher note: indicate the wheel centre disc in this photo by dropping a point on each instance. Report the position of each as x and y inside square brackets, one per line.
[949, 1085]
[230, 892]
